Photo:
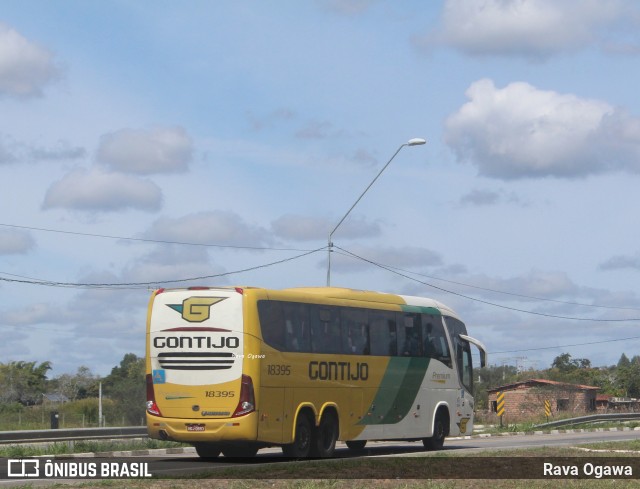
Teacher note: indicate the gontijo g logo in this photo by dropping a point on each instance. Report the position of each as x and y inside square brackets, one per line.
[196, 309]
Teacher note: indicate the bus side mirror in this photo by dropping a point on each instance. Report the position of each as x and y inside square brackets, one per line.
[481, 347]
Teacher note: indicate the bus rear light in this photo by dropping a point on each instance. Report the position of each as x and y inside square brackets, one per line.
[247, 402]
[239, 290]
[152, 407]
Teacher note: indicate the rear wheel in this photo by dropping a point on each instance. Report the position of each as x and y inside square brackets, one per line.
[207, 450]
[356, 445]
[302, 443]
[327, 435]
[436, 442]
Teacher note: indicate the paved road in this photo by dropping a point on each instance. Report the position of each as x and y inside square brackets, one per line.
[189, 463]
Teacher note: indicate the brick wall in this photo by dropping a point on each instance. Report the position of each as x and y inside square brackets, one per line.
[526, 400]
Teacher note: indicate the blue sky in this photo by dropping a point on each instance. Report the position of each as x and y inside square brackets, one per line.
[244, 125]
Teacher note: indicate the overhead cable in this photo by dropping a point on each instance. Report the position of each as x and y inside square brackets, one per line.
[475, 299]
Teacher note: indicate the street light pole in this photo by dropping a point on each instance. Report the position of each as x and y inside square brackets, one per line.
[411, 142]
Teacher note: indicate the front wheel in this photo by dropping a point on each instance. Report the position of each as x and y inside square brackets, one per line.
[436, 442]
[302, 443]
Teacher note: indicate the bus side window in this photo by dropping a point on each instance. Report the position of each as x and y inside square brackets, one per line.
[272, 323]
[435, 339]
[355, 331]
[325, 329]
[296, 319]
[382, 333]
[409, 324]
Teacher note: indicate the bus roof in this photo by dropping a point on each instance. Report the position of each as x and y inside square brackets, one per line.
[344, 293]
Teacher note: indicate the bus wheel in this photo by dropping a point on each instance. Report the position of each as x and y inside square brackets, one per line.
[301, 446]
[327, 435]
[436, 442]
[356, 445]
[207, 450]
[237, 451]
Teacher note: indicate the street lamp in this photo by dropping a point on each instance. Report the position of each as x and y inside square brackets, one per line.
[411, 142]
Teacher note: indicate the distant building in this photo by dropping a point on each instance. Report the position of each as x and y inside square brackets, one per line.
[618, 404]
[527, 398]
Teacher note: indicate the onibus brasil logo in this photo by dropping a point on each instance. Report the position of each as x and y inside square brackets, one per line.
[196, 309]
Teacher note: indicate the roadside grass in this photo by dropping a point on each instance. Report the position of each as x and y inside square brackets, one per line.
[65, 448]
[530, 427]
[610, 445]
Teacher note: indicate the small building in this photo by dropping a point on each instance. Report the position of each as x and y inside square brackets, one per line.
[527, 398]
[623, 404]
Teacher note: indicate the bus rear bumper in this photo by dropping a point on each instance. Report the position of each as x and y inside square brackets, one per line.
[190, 430]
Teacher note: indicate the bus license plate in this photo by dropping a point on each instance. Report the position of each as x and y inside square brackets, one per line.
[195, 427]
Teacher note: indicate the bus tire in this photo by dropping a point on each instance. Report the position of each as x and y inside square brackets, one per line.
[240, 451]
[436, 442]
[327, 435]
[207, 451]
[356, 445]
[303, 440]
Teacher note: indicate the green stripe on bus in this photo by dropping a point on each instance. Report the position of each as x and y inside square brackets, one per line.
[397, 392]
[421, 309]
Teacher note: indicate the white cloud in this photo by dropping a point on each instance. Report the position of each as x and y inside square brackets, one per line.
[147, 151]
[530, 28]
[365, 258]
[14, 241]
[212, 227]
[306, 228]
[25, 67]
[520, 131]
[97, 190]
[171, 263]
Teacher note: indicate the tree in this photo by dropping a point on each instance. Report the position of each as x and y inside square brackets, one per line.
[628, 379]
[23, 382]
[564, 363]
[81, 385]
[126, 386]
[624, 362]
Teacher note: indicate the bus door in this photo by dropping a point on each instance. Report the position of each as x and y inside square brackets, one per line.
[465, 401]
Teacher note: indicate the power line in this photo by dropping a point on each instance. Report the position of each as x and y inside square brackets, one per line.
[513, 294]
[125, 285]
[475, 299]
[566, 346]
[155, 241]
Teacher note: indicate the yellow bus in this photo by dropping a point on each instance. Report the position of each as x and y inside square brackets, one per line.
[232, 370]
